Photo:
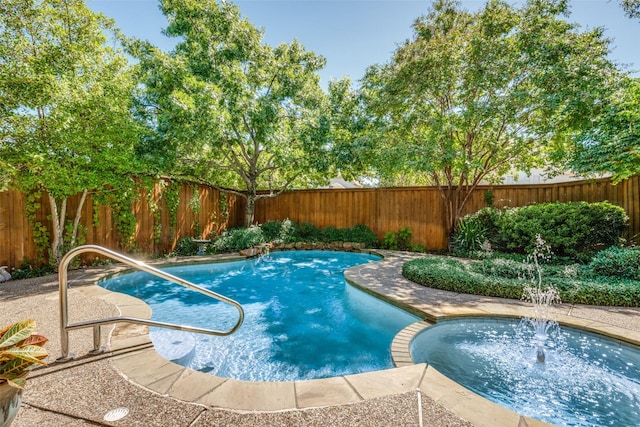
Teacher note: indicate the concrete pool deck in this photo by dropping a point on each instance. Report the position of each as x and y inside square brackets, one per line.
[160, 393]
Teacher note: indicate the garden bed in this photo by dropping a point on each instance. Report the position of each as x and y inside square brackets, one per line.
[504, 278]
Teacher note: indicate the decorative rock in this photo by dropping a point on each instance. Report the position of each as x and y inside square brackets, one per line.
[4, 274]
[249, 252]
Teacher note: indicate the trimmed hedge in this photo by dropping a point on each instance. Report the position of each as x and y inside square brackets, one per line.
[457, 276]
[623, 263]
[569, 228]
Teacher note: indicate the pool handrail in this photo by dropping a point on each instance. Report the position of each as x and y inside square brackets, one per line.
[65, 326]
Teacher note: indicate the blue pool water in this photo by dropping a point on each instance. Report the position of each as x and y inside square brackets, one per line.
[586, 379]
[302, 320]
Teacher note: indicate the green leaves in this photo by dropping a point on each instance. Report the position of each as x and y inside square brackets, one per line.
[67, 127]
[228, 109]
[612, 143]
[20, 349]
[16, 333]
[575, 229]
[473, 96]
[26, 355]
[503, 281]
[631, 8]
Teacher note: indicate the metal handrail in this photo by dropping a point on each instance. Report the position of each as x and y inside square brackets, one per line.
[65, 327]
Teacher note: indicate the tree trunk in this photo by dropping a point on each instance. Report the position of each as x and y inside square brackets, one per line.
[454, 203]
[76, 220]
[57, 223]
[58, 218]
[250, 211]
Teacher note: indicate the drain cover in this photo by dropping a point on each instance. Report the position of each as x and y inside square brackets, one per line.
[116, 414]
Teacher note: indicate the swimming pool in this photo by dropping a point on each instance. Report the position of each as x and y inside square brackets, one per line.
[302, 320]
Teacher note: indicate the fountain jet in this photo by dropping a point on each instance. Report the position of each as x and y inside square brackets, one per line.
[540, 354]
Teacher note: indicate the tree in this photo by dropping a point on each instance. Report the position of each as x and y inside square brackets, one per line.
[631, 7]
[612, 144]
[473, 96]
[66, 125]
[230, 110]
[348, 131]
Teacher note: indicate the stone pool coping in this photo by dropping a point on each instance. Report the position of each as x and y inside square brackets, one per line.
[135, 357]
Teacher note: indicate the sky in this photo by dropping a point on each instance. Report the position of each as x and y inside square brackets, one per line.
[354, 34]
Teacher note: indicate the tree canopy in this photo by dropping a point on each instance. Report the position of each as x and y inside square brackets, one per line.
[469, 98]
[612, 144]
[229, 109]
[66, 126]
[473, 96]
[631, 7]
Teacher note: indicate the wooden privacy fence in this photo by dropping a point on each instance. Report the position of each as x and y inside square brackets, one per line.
[422, 209]
[157, 229]
[382, 209]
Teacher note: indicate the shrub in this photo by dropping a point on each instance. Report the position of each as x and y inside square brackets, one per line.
[453, 275]
[512, 268]
[362, 234]
[27, 271]
[500, 267]
[280, 231]
[398, 241]
[489, 219]
[236, 239]
[575, 229]
[185, 247]
[288, 231]
[308, 232]
[469, 236]
[333, 234]
[623, 263]
[271, 230]
[416, 247]
[598, 291]
[569, 228]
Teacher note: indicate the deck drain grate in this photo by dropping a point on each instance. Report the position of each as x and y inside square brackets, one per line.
[116, 414]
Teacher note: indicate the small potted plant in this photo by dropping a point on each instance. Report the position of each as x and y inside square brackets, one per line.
[20, 350]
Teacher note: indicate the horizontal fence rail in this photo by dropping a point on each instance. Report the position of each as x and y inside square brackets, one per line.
[203, 210]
